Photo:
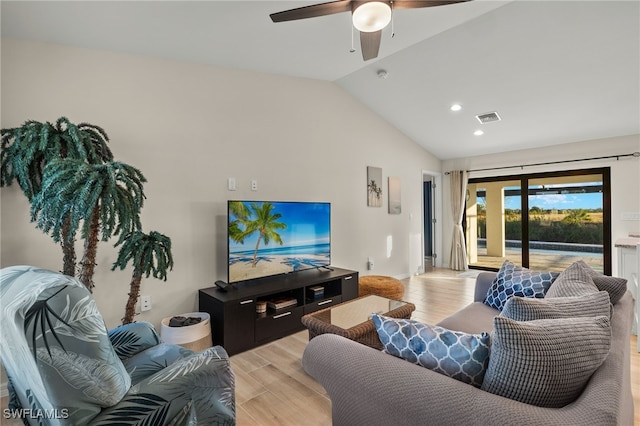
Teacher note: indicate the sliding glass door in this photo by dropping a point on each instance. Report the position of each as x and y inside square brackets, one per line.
[493, 208]
[566, 218]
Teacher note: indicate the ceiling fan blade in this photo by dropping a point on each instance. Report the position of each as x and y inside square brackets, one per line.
[370, 44]
[415, 4]
[312, 11]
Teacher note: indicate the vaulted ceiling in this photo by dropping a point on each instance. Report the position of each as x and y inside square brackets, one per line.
[554, 71]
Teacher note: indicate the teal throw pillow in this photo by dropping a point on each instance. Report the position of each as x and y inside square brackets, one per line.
[513, 280]
[459, 355]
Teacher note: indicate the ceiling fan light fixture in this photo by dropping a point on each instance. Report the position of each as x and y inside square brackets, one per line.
[371, 16]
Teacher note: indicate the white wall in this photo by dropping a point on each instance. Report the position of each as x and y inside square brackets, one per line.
[188, 127]
[625, 177]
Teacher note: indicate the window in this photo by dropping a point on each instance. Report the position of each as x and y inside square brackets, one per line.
[567, 216]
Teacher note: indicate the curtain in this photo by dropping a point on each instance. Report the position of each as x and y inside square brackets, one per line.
[458, 258]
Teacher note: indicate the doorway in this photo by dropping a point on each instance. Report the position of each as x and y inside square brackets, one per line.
[428, 224]
[431, 213]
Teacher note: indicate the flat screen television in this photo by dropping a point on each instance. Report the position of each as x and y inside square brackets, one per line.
[268, 238]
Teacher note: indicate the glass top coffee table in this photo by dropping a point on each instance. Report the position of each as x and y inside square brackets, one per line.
[352, 319]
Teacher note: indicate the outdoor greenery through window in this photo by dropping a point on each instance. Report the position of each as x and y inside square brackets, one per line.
[567, 218]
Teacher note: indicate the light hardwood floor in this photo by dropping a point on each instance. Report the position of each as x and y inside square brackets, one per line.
[272, 388]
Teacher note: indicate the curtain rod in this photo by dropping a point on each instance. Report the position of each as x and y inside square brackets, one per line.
[522, 166]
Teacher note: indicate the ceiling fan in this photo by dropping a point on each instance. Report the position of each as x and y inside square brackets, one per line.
[369, 16]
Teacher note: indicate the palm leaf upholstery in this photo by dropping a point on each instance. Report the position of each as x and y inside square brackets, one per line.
[63, 363]
[130, 339]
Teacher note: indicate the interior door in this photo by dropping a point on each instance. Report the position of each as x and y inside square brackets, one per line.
[428, 219]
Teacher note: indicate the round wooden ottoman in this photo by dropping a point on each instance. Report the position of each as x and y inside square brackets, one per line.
[380, 285]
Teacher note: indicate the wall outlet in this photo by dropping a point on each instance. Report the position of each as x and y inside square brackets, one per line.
[630, 216]
[370, 264]
[145, 303]
[254, 185]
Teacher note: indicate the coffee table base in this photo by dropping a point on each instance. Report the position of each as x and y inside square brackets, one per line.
[364, 333]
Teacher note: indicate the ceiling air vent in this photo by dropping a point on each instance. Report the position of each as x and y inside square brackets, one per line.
[488, 117]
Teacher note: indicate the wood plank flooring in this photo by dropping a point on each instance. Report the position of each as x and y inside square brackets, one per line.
[272, 388]
[258, 396]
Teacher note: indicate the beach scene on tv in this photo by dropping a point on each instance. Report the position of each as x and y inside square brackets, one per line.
[270, 238]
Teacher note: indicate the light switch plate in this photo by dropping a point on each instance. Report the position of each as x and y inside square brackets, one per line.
[231, 184]
[630, 215]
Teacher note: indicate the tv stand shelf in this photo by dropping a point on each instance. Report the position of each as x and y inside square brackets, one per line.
[237, 326]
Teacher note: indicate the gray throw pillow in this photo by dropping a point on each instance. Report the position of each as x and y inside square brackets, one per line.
[546, 362]
[573, 281]
[588, 305]
[616, 286]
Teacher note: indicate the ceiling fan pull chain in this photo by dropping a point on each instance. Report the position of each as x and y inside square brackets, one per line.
[393, 31]
[352, 48]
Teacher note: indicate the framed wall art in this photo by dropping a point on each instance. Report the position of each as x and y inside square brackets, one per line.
[374, 186]
[395, 206]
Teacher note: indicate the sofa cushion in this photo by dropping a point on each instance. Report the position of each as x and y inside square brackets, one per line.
[456, 354]
[615, 286]
[588, 305]
[474, 318]
[513, 280]
[573, 281]
[545, 362]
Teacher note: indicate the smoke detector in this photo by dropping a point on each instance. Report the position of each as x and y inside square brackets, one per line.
[488, 117]
[383, 74]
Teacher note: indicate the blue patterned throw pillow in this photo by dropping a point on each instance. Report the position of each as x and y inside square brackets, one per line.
[513, 280]
[459, 355]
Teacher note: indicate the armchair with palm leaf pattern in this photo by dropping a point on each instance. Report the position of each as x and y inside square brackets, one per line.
[65, 368]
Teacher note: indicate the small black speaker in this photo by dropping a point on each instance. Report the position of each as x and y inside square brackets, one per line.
[222, 285]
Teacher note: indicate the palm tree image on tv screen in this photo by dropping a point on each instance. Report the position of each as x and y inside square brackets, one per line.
[271, 238]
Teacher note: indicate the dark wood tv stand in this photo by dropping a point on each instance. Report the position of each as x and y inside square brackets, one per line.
[237, 326]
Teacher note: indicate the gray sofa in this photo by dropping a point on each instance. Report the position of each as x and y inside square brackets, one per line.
[369, 387]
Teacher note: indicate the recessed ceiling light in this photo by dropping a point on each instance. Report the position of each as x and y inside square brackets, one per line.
[478, 132]
[455, 107]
